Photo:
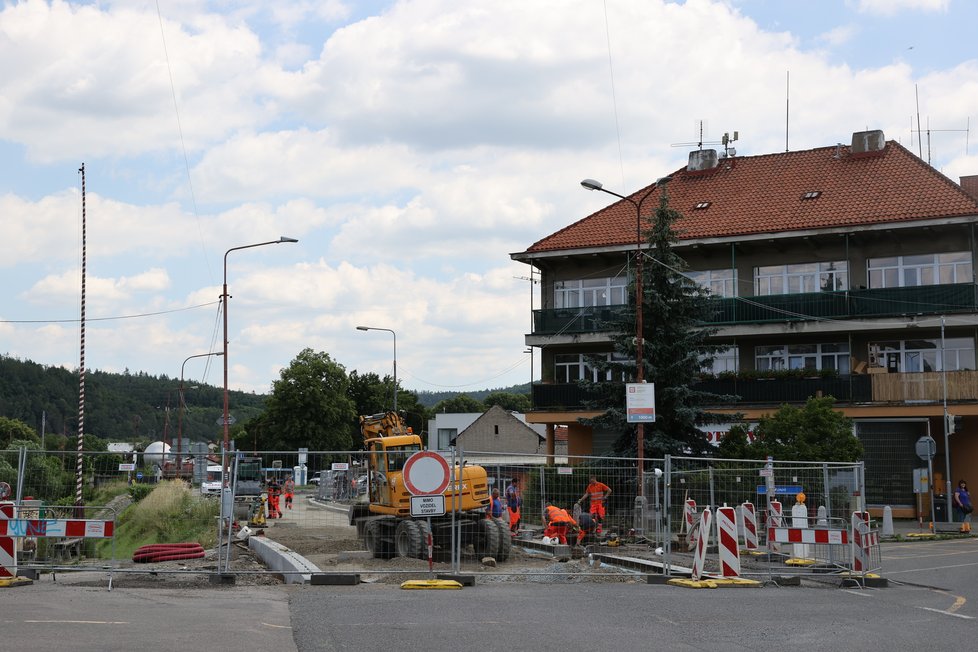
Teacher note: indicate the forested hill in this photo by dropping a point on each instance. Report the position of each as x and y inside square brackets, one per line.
[118, 407]
[135, 407]
[430, 399]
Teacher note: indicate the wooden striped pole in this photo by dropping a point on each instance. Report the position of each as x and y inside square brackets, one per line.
[81, 366]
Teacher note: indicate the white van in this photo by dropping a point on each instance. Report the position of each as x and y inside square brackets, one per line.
[211, 486]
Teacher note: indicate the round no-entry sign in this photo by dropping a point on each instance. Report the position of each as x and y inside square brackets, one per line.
[426, 473]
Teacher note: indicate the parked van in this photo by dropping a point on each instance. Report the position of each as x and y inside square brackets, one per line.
[211, 486]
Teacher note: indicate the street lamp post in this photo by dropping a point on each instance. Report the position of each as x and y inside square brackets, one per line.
[224, 305]
[371, 328]
[591, 184]
[183, 404]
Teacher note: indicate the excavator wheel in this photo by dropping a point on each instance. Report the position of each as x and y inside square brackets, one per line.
[486, 538]
[504, 538]
[374, 541]
[407, 539]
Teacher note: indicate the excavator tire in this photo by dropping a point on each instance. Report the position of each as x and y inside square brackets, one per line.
[374, 541]
[486, 538]
[407, 539]
[504, 538]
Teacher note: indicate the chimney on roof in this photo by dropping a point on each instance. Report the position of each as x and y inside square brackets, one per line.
[868, 141]
[702, 159]
[970, 185]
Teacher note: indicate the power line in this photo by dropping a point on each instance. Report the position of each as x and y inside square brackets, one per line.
[136, 316]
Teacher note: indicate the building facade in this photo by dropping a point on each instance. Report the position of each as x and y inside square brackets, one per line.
[844, 271]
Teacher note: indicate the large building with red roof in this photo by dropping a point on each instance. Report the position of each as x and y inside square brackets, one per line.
[852, 265]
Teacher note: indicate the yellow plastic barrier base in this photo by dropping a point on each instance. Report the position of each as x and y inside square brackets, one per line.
[15, 581]
[872, 576]
[920, 535]
[715, 583]
[799, 562]
[431, 584]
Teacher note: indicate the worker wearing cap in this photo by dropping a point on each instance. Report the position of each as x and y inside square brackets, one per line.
[598, 492]
[558, 523]
[289, 489]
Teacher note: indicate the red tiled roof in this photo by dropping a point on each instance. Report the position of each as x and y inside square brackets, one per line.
[753, 195]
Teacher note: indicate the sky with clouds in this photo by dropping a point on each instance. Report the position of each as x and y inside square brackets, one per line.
[410, 146]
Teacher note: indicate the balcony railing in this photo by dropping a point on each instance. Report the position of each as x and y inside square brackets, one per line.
[586, 319]
[881, 302]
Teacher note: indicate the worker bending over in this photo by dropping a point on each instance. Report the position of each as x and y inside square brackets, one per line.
[558, 523]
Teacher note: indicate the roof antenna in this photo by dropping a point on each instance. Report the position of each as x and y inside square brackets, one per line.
[920, 145]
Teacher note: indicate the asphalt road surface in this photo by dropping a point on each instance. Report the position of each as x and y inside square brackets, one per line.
[931, 604]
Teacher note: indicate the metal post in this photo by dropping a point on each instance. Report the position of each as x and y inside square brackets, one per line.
[667, 491]
[947, 440]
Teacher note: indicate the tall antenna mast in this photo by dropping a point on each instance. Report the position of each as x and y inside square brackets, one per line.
[81, 365]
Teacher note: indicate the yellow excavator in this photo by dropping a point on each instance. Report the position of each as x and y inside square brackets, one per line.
[384, 522]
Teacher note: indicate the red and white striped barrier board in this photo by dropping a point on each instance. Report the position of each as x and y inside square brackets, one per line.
[727, 542]
[74, 528]
[862, 540]
[774, 520]
[750, 525]
[8, 545]
[689, 514]
[808, 535]
[699, 555]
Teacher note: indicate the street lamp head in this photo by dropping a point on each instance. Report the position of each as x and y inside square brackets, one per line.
[363, 328]
[591, 184]
[661, 181]
[285, 238]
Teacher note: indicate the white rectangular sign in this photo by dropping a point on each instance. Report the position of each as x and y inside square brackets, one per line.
[640, 402]
[429, 505]
[339, 466]
[127, 467]
[565, 470]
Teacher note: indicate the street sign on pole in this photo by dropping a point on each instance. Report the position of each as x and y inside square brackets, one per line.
[433, 505]
[926, 448]
[425, 473]
[640, 402]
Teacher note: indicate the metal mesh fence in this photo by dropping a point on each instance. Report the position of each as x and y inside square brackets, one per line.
[327, 518]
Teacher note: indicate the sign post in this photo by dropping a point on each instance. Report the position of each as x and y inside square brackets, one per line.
[926, 448]
[426, 476]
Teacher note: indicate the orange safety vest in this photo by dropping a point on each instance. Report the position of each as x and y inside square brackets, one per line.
[289, 486]
[558, 516]
[597, 490]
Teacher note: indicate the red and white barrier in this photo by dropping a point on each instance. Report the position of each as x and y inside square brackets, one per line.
[796, 535]
[699, 555]
[74, 528]
[689, 515]
[749, 516]
[774, 520]
[727, 542]
[8, 545]
[862, 541]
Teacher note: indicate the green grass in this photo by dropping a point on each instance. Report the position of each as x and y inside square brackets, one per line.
[171, 513]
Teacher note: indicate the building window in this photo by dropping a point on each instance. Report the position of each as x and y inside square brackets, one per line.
[830, 355]
[578, 293]
[924, 269]
[719, 282]
[571, 367]
[445, 437]
[923, 355]
[724, 360]
[801, 277]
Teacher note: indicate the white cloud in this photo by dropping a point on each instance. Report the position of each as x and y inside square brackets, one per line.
[892, 7]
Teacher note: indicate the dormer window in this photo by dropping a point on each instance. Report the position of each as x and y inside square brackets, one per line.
[811, 194]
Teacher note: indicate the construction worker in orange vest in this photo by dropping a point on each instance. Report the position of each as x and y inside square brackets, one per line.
[289, 491]
[274, 491]
[558, 523]
[598, 492]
